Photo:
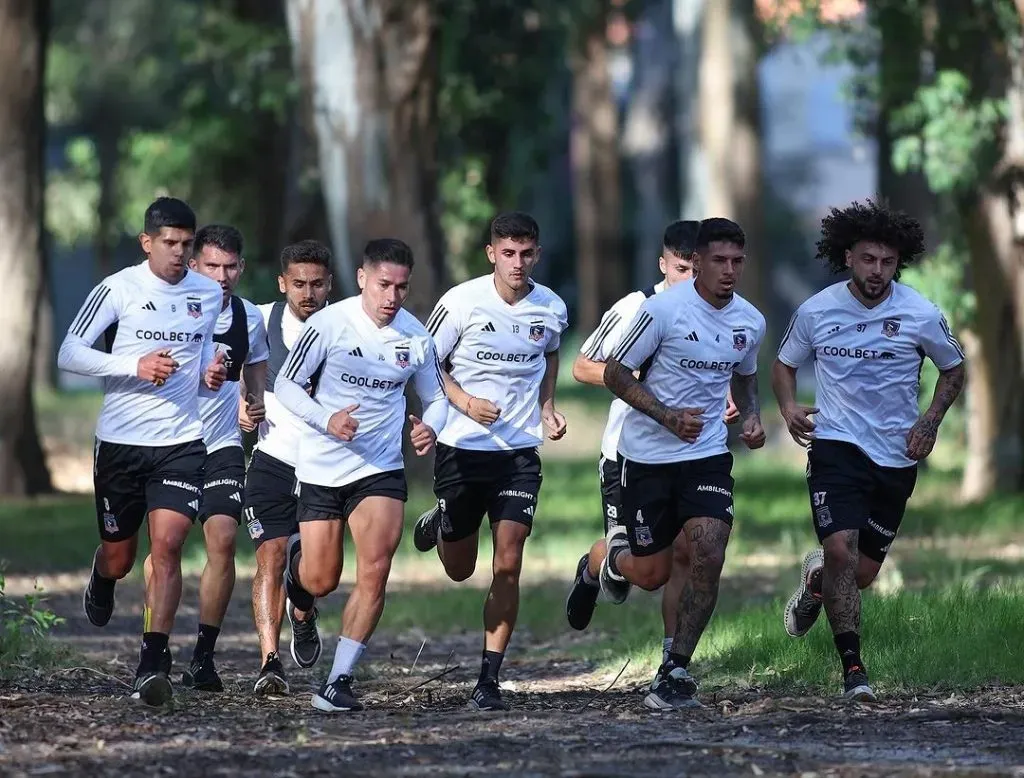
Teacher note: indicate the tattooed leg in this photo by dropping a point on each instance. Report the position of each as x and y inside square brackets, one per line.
[707, 540]
[840, 594]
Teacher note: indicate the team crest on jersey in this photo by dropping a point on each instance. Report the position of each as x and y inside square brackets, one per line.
[891, 328]
[536, 330]
[402, 356]
[194, 306]
[739, 340]
[643, 535]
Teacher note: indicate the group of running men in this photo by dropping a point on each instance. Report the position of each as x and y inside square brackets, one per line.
[187, 365]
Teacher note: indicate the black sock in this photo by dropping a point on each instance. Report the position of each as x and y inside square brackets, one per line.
[301, 599]
[613, 555]
[206, 641]
[679, 660]
[101, 584]
[490, 666]
[848, 646]
[153, 646]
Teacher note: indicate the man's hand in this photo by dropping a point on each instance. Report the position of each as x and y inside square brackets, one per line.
[156, 367]
[216, 372]
[685, 423]
[483, 411]
[732, 413]
[798, 423]
[251, 414]
[921, 438]
[421, 436]
[555, 423]
[342, 425]
[753, 432]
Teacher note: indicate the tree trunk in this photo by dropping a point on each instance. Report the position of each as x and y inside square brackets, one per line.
[369, 71]
[688, 22]
[597, 197]
[730, 131]
[23, 30]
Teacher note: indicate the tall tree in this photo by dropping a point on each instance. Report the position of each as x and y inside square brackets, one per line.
[368, 70]
[23, 33]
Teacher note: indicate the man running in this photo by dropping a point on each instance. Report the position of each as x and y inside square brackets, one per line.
[360, 353]
[158, 319]
[688, 343]
[500, 335]
[676, 264]
[270, 502]
[867, 337]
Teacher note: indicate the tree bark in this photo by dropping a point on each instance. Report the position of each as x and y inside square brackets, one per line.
[369, 74]
[23, 30]
[597, 196]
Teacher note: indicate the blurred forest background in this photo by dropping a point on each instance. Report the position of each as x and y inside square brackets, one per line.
[347, 119]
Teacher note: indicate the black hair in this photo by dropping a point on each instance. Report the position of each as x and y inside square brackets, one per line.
[718, 229]
[842, 229]
[515, 225]
[220, 236]
[168, 212]
[681, 238]
[311, 252]
[392, 250]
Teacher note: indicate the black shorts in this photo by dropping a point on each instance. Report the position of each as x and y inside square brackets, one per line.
[224, 489]
[850, 492]
[503, 484]
[270, 502]
[130, 481]
[317, 503]
[658, 500]
[611, 492]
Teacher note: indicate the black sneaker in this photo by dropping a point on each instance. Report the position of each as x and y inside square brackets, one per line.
[487, 696]
[579, 607]
[856, 686]
[804, 606]
[152, 687]
[202, 675]
[306, 643]
[424, 535]
[673, 688]
[97, 601]
[336, 696]
[615, 587]
[271, 680]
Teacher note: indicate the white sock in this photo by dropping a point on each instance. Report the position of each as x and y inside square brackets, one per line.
[588, 579]
[345, 657]
[666, 647]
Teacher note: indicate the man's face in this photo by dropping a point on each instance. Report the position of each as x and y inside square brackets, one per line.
[872, 267]
[384, 287]
[305, 286]
[513, 261]
[674, 267]
[719, 268]
[222, 266]
[168, 251]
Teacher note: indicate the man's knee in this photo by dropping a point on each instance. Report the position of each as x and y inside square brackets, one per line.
[840, 551]
[220, 532]
[651, 572]
[270, 558]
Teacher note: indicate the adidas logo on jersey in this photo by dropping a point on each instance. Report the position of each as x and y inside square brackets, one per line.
[693, 337]
[489, 327]
[194, 505]
[237, 497]
[356, 352]
[149, 307]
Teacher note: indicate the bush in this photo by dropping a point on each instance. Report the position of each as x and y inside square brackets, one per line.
[25, 627]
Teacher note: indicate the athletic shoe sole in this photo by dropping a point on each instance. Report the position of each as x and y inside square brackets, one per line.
[812, 560]
[654, 702]
[85, 597]
[578, 581]
[862, 693]
[154, 691]
[326, 706]
[271, 683]
[319, 641]
[423, 544]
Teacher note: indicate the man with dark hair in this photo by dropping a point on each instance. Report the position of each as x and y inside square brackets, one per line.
[499, 335]
[158, 321]
[360, 353]
[867, 337]
[676, 264]
[242, 338]
[270, 502]
[688, 343]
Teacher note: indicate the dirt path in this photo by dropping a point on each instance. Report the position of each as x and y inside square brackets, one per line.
[79, 722]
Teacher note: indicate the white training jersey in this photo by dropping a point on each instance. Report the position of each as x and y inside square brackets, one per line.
[867, 364]
[281, 429]
[600, 345]
[497, 352]
[353, 361]
[686, 351]
[219, 410]
[139, 313]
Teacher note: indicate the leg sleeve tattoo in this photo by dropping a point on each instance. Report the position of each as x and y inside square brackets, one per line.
[840, 594]
[707, 539]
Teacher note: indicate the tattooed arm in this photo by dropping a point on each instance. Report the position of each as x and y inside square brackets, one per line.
[685, 423]
[921, 438]
[744, 394]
